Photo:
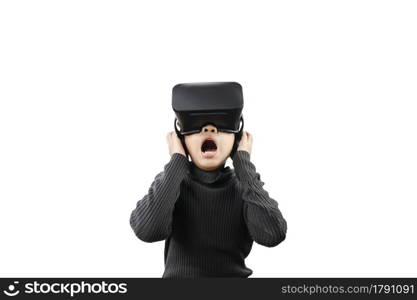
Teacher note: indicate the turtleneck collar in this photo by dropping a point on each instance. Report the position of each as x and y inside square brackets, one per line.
[208, 176]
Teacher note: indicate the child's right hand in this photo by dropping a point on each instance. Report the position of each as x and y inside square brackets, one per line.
[174, 144]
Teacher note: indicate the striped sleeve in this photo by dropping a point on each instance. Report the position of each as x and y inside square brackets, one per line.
[264, 220]
[151, 219]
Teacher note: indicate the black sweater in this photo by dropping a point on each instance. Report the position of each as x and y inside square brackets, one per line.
[208, 219]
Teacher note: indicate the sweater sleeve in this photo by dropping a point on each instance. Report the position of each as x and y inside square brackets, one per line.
[264, 220]
[151, 219]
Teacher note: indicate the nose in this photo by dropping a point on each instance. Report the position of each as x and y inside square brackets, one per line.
[209, 128]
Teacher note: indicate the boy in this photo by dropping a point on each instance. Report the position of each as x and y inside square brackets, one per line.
[208, 214]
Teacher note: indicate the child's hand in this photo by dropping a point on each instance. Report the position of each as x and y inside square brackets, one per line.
[245, 142]
[174, 144]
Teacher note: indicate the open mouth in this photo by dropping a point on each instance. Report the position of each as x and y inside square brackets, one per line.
[208, 148]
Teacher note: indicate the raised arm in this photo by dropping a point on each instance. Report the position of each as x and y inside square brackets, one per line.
[152, 218]
[264, 220]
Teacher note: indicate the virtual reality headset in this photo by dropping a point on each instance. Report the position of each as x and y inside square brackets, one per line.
[199, 104]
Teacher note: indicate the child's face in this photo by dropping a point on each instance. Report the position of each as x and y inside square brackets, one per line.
[209, 155]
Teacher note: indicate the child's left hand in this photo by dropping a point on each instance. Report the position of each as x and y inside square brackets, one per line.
[245, 142]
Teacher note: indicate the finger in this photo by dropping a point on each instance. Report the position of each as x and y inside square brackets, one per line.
[170, 138]
[175, 137]
[246, 135]
[250, 136]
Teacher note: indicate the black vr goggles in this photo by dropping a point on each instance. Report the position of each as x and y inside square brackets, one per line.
[199, 104]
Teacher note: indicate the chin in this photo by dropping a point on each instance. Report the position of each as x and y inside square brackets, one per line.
[210, 165]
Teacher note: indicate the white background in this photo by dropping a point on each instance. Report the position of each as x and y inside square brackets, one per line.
[330, 98]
